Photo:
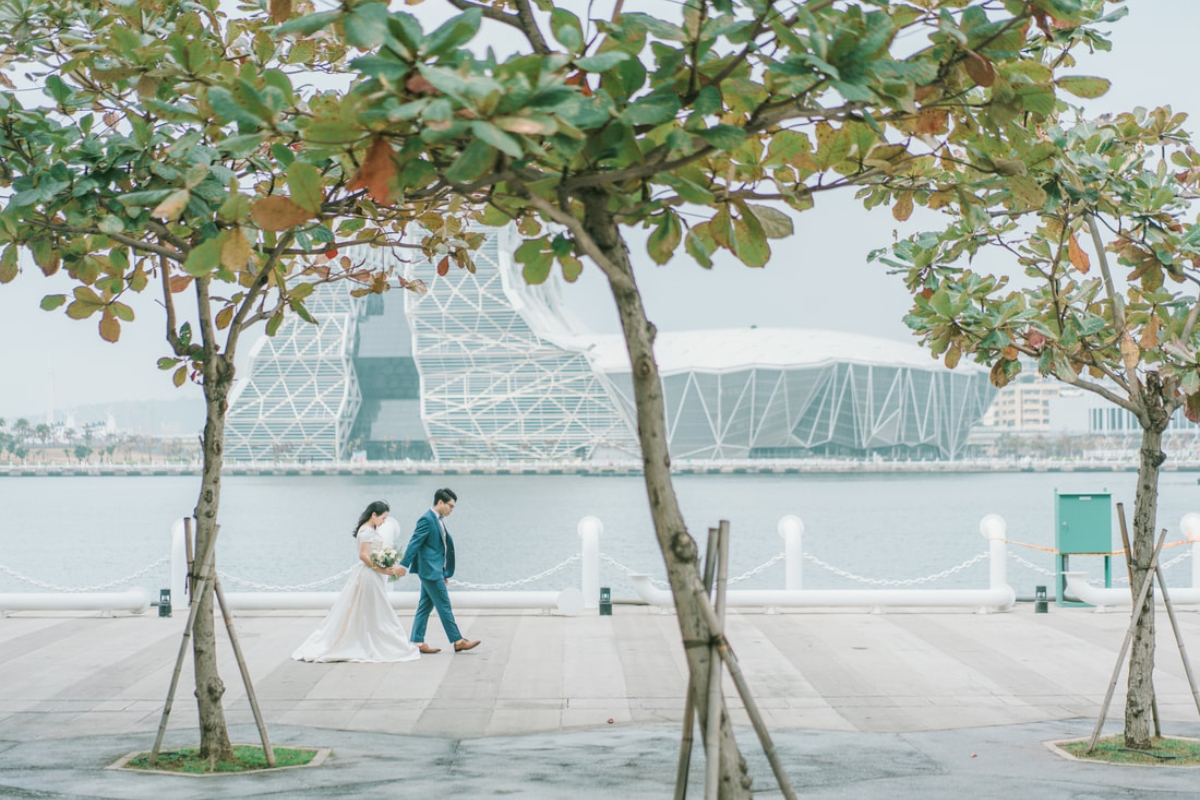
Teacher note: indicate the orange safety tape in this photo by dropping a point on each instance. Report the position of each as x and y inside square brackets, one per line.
[1113, 553]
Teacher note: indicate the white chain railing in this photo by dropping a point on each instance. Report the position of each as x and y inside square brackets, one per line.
[297, 587]
[521, 581]
[50, 587]
[612, 562]
[607, 559]
[760, 568]
[841, 573]
[1166, 565]
[1030, 565]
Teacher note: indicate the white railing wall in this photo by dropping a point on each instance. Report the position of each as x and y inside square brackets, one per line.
[879, 592]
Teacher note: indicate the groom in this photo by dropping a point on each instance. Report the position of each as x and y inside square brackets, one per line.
[430, 555]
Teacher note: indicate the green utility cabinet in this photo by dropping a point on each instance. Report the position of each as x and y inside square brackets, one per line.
[1082, 527]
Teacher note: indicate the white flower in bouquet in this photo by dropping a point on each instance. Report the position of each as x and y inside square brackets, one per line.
[386, 559]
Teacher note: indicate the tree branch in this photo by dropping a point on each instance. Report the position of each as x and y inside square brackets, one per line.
[120, 238]
[1118, 304]
[528, 25]
[169, 304]
[589, 246]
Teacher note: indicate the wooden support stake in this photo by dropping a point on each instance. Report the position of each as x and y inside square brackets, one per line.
[191, 557]
[689, 705]
[1129, 571]
[756, 720]
[268, 750]
[712, 741]
[1187, 664]
[1133, 618]
[193, 609]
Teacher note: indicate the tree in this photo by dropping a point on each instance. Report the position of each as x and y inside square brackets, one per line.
[21, 428]
[702, 129]
[186, 153]
[43, 432]
[1119, 185]
[82, 452]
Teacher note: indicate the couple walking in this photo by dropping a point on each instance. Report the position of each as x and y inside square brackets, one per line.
[361, 625]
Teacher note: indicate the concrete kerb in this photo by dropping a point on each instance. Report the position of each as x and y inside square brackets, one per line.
[321, 753]
[630, 763]
[1057, 748]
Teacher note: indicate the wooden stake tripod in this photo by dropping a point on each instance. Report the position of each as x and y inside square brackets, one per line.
[198, 580]
[721, 652]
[1155, 571]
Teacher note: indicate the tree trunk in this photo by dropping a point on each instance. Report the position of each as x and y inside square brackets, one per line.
[678, 547]
[214, 732]
[1140, 692]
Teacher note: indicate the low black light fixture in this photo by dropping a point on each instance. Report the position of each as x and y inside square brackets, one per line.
[1040, 604]
[164, 602]
[605, 601]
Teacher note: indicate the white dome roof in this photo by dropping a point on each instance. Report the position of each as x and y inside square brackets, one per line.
[730, 349]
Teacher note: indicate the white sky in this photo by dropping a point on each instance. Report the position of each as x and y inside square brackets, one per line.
[817, 279]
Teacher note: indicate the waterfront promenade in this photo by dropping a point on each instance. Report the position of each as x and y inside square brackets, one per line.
[903, 704]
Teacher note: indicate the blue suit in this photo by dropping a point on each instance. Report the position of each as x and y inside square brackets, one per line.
[427, 558]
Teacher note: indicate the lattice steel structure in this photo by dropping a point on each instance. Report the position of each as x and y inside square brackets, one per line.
[504, 371]
[301, 395]
[812, 392]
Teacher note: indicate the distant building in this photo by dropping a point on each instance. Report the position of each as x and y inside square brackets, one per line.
[486, 366]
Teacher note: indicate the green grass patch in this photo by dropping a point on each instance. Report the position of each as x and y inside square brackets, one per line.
[246, 758]
[1163, 752]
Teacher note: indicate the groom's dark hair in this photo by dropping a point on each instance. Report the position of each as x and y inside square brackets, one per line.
[444, 496]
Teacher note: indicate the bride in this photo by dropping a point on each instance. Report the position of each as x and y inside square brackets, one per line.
[361, 625]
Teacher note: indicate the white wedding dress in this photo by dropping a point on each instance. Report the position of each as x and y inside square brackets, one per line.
[361, 625]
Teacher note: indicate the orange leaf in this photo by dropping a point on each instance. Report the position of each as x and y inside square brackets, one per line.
[980, 69]
[1079, 257]
[1010, 353]
[417, 84]
[932, 120]
[443, 266]
[904, 207]
[376, 173]
[580, 79]
[278, 213]
[281, 10]
[180, 282]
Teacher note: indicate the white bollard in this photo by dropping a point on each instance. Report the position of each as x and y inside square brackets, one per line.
[179, 598]
[791, 530]
[993, 527]
[590, 530]
[1190, 525]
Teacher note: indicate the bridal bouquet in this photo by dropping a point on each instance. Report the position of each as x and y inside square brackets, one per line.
[387, 558]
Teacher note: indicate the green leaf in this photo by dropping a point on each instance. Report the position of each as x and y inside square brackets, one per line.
[601, 62]
[751, 250]
[497, 138]
[308, 24]
[1080, 86]
[53, 301]
[775, 223]
[697, 250]
[167, 363]
[151, 197]
[665, 239]
[537, 261]
[304, 181]
[229, 110]
[572, 267]
[8, 264]
[180, 376]
[366, 25]
[1026, 191]
[204, 259]
[472, 163]
[454, 33]
[567, 30]
[723, 137]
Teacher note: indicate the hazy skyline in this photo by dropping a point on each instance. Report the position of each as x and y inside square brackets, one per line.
[819, 278]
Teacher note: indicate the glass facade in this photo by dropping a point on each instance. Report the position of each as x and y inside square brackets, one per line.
[484, 366]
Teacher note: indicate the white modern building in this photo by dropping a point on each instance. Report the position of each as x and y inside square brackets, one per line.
[485, 366]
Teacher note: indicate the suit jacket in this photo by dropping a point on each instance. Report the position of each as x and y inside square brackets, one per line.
[424, 554]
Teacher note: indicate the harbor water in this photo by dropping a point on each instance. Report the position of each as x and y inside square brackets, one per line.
[288, 530]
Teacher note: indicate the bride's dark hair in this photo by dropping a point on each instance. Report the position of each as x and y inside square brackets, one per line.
[378, 507]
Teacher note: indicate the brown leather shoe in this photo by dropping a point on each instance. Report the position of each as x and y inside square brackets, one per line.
[424, 648]
[463, 645]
